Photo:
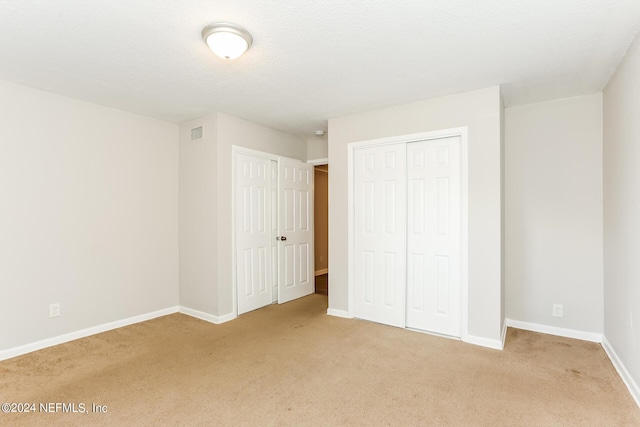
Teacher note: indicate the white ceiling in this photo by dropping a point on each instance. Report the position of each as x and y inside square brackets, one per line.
[311, 59]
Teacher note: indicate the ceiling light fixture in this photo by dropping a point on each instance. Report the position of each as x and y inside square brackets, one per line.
[228, 41]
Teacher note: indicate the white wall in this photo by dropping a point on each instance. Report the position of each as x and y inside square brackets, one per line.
[317, 148]
[480, 111]
[622, 215]
[206, 258]
[88, 215]
[554, 213]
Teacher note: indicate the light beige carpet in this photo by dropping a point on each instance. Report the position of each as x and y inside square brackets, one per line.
[294, 365]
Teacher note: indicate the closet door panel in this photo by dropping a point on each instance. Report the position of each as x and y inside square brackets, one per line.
[434, 236]
[380, 234]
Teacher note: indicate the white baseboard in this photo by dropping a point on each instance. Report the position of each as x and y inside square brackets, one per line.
[206, 316]
[553, 330]
[322, 271]
[633, 387]
[60, 339]
[484, 342]
[226, 317]
[503, 335]
[339, 313]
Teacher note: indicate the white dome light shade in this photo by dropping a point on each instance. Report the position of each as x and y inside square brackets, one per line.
[228, 41]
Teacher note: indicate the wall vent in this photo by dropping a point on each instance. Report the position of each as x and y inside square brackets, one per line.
[196, 133]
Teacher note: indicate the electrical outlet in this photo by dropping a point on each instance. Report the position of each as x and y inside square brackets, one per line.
[557, 310]
[54, 310]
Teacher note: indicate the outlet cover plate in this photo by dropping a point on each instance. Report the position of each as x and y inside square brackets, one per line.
[54, 310]
[557, 310]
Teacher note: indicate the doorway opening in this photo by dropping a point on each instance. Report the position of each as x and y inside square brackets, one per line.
[321, 228]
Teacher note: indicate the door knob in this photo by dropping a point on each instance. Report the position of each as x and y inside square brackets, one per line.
[281, 238]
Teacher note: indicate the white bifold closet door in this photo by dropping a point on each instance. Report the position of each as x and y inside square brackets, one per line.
[380, 234]
[407, 236]
[434, 236]
[274, 230]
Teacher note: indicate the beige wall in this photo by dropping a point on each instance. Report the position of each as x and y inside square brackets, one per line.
[88, 217]
[480, 112]
[554, 212]
[198, 216]
[317, 148]
[321, 217]
[206, 257]
[622, 213]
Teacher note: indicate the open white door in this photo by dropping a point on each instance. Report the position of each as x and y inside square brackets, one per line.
[295, 230]
[253, 232]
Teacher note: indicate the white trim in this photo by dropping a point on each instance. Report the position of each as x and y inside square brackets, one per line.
[255, 153]
[554, 330]
[464, 189]
[206, 316]
[503, 335]
[461, 132]
[350, 231]
[322, 271]
[484, 342]
[318, 162]
[633, 387]
[83, 333]
[339, 313]
[226, 317]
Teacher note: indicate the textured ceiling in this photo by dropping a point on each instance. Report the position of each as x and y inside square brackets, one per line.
[311, 59]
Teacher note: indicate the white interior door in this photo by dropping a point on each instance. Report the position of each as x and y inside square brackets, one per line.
[253, 232]
[380, 234]
[434, 236]
[295, 230]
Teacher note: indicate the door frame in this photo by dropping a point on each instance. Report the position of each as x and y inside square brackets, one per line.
[314, 163]
[461, 132]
